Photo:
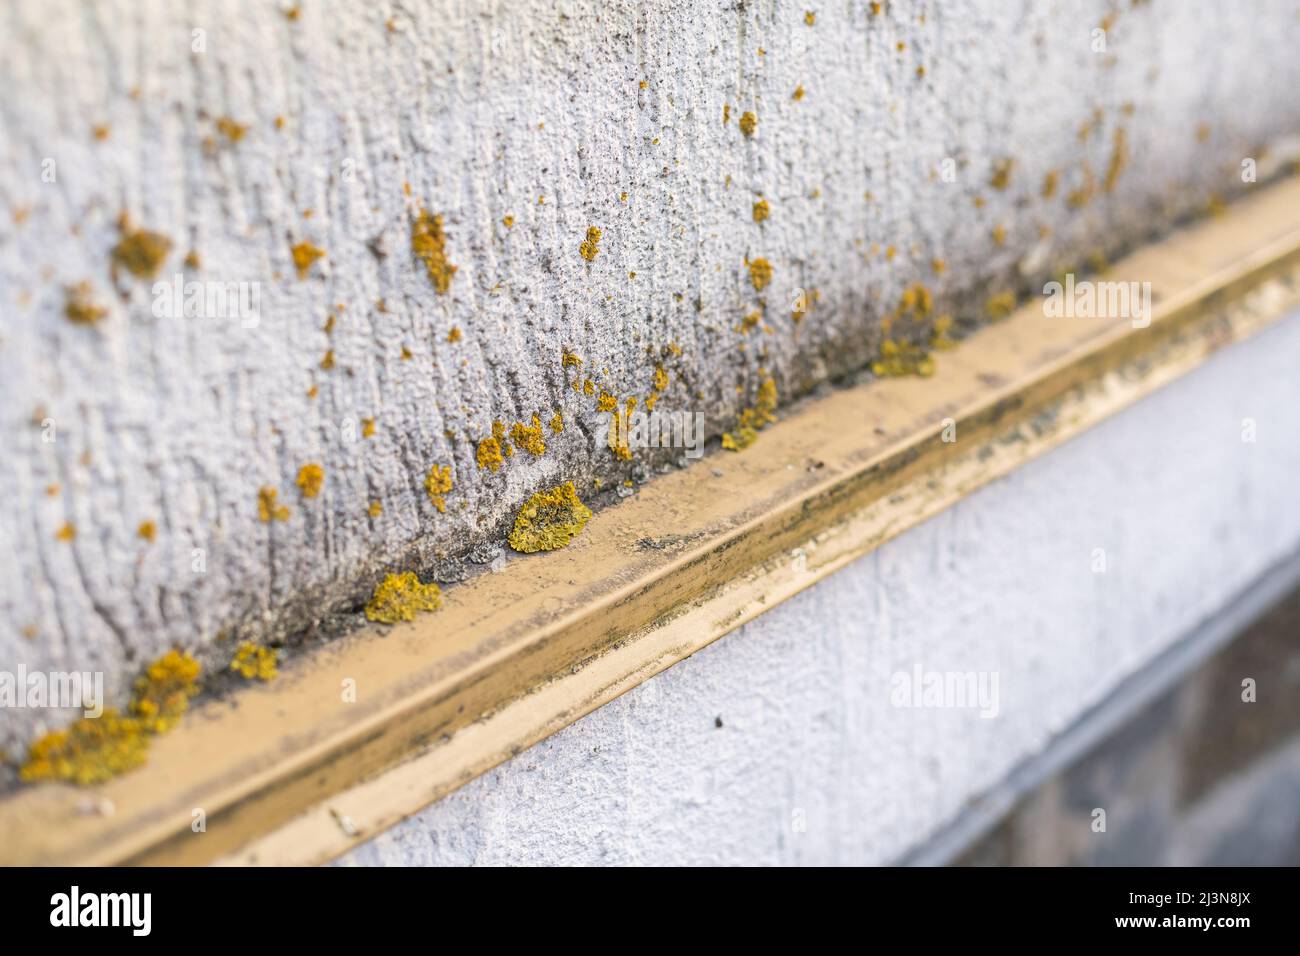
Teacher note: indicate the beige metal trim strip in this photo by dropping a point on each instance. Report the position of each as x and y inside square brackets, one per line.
[290, 773]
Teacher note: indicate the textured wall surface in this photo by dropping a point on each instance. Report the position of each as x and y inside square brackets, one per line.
[780, 743]
[137, 440]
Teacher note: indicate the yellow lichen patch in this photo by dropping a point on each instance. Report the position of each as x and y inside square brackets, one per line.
[162, 694]
[798, 93]
[489, 454]
[752, 419]
[939, 338]
[80, 305]
[748, 123]
[529, 437]
[508, 222]
[438, 484]
[139, 251]
[661, 378]
[1001, 177]
[100, 131]
[67, 532]
[557, 423]
[1000, 305]
[310, 479]
[1118, 160]
[726, 113]
[588, 387]
[606, 402]
[367, 428]
[91, 751]
[304, 254]
[760, 273]
[376, 509]
[399, 597]
[589, 248]
[1050, 182]
[902, 358]
[254, 662]
[230, 129]
[192, 260]
[750, 322]
[549, 520]
[999, 235]
[454, 335]
[147, 530]
[327, 361]
[268, 509]
[429, 243]
[761, 210]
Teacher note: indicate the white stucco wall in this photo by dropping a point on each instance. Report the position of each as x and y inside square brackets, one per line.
[1188, 515]
[481, 109]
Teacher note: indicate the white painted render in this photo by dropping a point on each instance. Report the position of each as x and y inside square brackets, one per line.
[812, 763]
[547, 113]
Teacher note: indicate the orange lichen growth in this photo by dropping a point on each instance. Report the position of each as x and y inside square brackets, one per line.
[80, 305]
[400, 597]
[798, 93]
[304, 254]
[327, 361]
[751, 420]
[549, 520]
[902, 358]
[606, 402]
[588, 387]
[429, 243]
[93, 750]
[367, 427]
[192, 260]
[748, 123]
[1001, 177]
[163, 692]
[589, 248]
[147, 530]
[376, 509]
[508, 222]
[489, 453]
[557, 423]
[230, 129]
[569, 359]
[268, 509]
[67, 532]
[139, 251]
[529, 437]
[939, 338]
[100, 131]
[1118, 160]
[1050, 182]
[310, 479]
[254, 662]
[1000, 305]
[761, 210]
[661, 378]
[454, 335]
[760, 273]
[438, 484]
[90, 751]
